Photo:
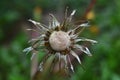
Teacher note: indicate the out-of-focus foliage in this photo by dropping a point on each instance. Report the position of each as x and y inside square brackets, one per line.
[103, 65]
[13, 63]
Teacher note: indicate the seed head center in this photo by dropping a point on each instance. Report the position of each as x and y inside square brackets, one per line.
[59, 40]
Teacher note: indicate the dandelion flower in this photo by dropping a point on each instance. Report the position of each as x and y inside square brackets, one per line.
[59, 40]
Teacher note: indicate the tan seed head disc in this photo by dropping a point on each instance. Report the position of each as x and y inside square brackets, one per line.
[59, 40]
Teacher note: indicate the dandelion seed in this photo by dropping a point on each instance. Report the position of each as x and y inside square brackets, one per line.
[27, 50]
[33, 55]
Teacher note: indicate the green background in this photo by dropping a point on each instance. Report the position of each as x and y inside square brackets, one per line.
[103, 65]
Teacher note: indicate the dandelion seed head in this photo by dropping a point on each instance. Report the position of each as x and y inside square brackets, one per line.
[59, 41]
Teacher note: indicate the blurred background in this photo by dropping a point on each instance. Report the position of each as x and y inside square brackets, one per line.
[105, 21]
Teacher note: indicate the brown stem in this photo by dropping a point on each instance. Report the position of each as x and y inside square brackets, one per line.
[89, 8]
